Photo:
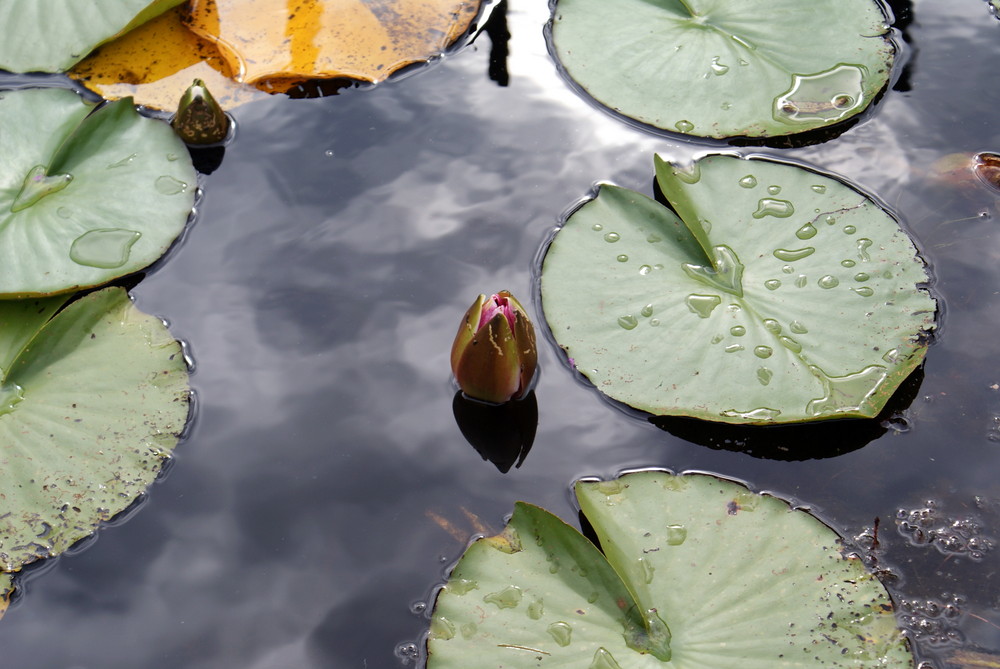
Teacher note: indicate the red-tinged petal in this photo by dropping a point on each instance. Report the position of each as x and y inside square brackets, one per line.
[466, 331]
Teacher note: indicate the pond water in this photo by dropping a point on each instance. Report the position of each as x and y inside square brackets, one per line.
[325, 486]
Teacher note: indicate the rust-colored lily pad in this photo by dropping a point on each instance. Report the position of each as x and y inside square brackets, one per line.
[157, 62]
[359, 39]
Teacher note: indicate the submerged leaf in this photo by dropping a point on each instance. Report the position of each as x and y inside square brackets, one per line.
[716, 68]
[697, 572]
[773, 294]
[85, 197]
[53, 35]
[92, 402]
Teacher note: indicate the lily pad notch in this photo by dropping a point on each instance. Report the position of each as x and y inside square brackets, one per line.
[765, 293]
[720, 69]
[696, 571]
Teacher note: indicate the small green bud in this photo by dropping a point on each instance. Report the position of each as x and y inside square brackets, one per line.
[199, 119]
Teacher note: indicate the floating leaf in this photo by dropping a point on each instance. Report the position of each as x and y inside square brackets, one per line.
[358, 39]
[92, 402]
[774, 294]
[6, 590]
[85, 198]
[156, 63]
[696, 572]
[53, 35]
[716, 68]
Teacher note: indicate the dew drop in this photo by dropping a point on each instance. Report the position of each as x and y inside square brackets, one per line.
[774, 190]
[536, 609]
[737, 330]
[628, 322]
[726, 106]
[772, 284]
[861, 277]
[819, 188]
[864, 291]
[790, 344]
[646, 570]
[442, 628]
[604, 660]
[676, 534]
[597, 227]
[797, 327]
[508, 598]
[684, 126]
[791, 255]
[764, 375]
[328, 153]
[733, 348]
[749, 181]
[849, 229]
[717, 338]
[647, 310]
[718, 69]
[848, 263]
[612, 237]
[645, 269]
[787, 269]
[830, 220]
[468, 630]
[37, 184]
[891, 356]
[654, 322]
[654, 238]
[758, 414]
[703, 305]
[11, 395]
[772, 326]
[863, 245]
[807, 231]
[828, 282]
[64, 212]
[771, 207]
[561, 632]
[622, 258]
[170, 186]
[801, 281]
[462, 586]
[105, 248]
[763, 352]
[825, 96]
[657, 266]
[127, 160]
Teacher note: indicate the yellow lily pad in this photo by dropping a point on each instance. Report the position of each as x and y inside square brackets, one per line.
[365, 40]
[157, 62]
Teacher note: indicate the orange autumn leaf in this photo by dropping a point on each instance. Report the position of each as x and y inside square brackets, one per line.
[365, 40]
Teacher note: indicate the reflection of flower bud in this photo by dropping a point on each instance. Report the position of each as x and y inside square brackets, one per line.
[500, 433]
[494, 356]
[199, 118]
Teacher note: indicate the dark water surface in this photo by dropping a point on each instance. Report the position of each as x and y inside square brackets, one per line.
[337, 247]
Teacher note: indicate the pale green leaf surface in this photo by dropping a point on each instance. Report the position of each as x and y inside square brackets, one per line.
[742, 580]
[89, 411]
[130, 193]
[53, 35]
[716, 68]
[814, 307]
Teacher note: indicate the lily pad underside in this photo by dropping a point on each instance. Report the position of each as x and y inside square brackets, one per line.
[769, 293]
[53, 35]
[717, 68]
[92, 401]
[242, 48]
[85, 197]
[696, 573]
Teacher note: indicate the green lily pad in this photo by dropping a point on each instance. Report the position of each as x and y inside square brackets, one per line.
[85, 197]
[773, 294]
[92, 401]
[717, 68]
[697, 572]
[54, 35]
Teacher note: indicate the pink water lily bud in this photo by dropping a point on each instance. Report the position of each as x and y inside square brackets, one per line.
[494, 355]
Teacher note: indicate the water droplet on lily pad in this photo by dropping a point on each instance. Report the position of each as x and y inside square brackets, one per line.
[807, 231]
[769, 206]
[864, 291]
[508, 598]
[826, 96]
[106, 248]
[622, 258]
[774, 190]
[718, 69]
[819, 188]
[772, 326]
[676, 534]
[442, 628]
[791, 255]
[763, 351]
[797, 327]
[127, 160]
[11, 395]
[37, 184]
[604, 660]
[561, 632]
[764, 375]
[170, 186]
[684, 126]
[647, 310]
[612, 237]
[772, 284]
[749, 181]
[536, 609]
[703, 305]
[849, 229]
[628, 322]
[737, 330]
